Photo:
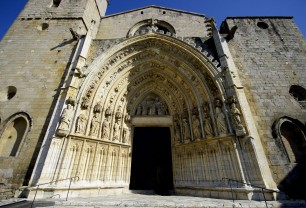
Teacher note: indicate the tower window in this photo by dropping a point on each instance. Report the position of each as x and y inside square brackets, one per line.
[56, 3]
[299, 94]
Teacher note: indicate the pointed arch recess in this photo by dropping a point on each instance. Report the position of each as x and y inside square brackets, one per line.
[14, 132]
[281, 140]
[152, 58]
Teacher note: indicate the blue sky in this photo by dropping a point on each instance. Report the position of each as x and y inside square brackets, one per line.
[219, 9]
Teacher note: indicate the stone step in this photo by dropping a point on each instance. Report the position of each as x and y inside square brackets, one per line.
[150, 200]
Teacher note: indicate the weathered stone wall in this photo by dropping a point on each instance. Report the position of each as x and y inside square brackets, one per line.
[87, 9]
[186, 24]
[34, 62]
[269, 61]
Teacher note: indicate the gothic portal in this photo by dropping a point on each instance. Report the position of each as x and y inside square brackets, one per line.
[150, 79]
[150, 99]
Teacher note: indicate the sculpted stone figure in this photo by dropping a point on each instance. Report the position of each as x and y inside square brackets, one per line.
[126, 135]
[186, 130]
[116, 132]
[144, 108]
[220, 118]
[177, 132]
[152, 109]
[66, 117]
[196, 127]
[105, 128]
[108, 111]
[118, 114]
[81, 124]
[139, 110]
[94, 127]
[207, 124]
[236, 120]
[161, 107]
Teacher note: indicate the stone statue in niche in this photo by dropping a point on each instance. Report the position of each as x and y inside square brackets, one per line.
[126, 135]
[220, 118]
[94, 126]
[139, 110]
[196, 127]
[207, 122]
[116, 133]
[118, 114]
[236, 118]
[177, 132]
[108, 111]
[66, 117]
[85, 102]
[161, 107]
[186, 130]
[105, 128]
[98, 108]
[81, 123]
[144, 108]
[152, 108]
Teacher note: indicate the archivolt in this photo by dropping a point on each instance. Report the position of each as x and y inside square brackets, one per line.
[172, 52]
[152, 63]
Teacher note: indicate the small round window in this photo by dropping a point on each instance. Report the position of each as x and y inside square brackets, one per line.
[262, 25]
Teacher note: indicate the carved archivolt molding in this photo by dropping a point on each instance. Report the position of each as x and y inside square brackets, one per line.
[120, 79]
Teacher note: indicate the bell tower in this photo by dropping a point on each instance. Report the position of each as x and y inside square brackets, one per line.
[37, 56]
[72, 10]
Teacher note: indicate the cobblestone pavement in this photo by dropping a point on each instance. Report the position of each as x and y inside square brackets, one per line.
[141, 200]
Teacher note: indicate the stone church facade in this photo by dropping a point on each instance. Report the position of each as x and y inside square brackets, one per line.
[152, 98]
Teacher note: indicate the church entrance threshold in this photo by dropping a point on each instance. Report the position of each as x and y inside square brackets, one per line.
[151, 160]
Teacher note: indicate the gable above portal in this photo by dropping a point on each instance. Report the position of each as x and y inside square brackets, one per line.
[186, 24]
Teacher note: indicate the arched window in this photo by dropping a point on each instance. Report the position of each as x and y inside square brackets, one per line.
[294, 141]
[13, 135]
[290, 136]
[299, 94]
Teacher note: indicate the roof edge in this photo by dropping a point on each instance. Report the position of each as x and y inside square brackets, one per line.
[261, 17]
[153, 6]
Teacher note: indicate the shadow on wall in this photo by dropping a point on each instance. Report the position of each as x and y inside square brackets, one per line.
[294, 140]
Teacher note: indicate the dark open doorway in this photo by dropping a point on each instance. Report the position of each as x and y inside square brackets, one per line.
[151, 160]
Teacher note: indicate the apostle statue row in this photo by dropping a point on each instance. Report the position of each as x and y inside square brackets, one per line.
[184, 132]
[109, 132]
[186, 128]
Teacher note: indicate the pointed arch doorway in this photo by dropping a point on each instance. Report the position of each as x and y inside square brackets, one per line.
[152, 160]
